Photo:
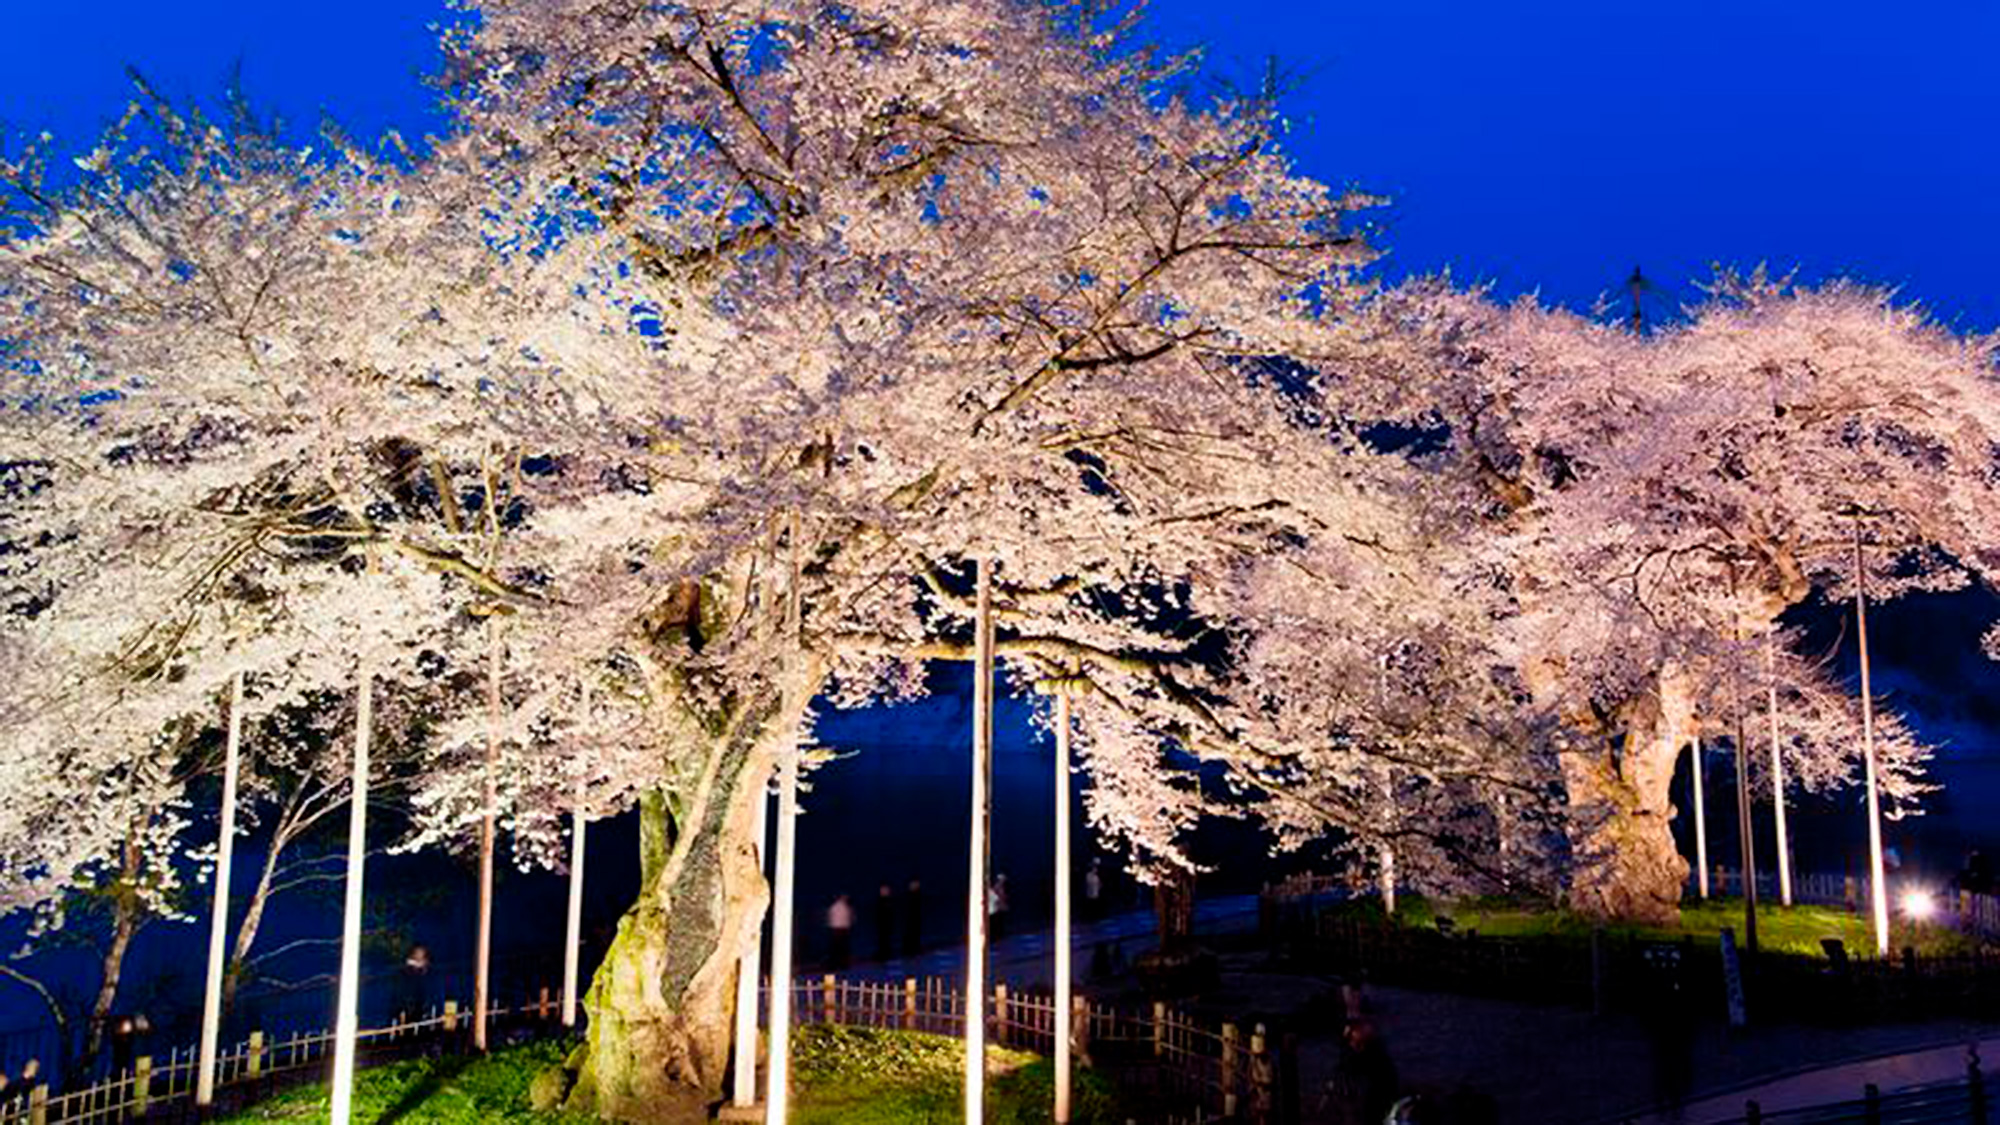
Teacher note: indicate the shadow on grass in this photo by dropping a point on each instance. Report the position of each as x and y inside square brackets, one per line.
[440, 1072]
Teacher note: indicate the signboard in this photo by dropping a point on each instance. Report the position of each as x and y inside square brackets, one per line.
[1732, 977]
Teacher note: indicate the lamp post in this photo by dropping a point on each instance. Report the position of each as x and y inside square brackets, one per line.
[1878, 888]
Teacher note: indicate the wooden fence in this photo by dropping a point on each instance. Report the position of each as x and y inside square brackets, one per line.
[153, 1087]
[1966, 1101]
[1168, 1063]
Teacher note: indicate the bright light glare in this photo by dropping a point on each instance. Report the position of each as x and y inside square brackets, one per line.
[1919, 904]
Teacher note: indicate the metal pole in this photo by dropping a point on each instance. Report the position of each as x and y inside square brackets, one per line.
[1878, 887]
[1746, 843]
[483, 950]
[573, 935]
[1778, 777]
[975, 896]
[218, 924]
[1063, 937]
[347, 1021]
[744, 1089]
[778, 1076]
[1700, 822]
[1388, 880]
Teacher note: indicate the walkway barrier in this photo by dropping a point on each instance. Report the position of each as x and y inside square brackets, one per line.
[1171, 1065]
[161, 1089]
[1967, 1101]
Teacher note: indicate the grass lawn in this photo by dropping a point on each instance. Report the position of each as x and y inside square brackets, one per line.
[851, 1076]
[1781, 929]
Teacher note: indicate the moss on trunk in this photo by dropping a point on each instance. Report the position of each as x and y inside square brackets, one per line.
[662, 1002]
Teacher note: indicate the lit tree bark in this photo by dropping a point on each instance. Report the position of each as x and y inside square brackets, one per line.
[218, 926]
[744, 1089]
[347, 1023]
[1621, 800]
[778, 1081]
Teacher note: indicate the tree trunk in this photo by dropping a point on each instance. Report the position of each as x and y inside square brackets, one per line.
[246, 932]
[125, 923]
[1622, 814]
[661, 1004]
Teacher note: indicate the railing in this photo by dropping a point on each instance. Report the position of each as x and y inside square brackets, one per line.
[152, 1084]
[1966, 1101]
[1163, 1058]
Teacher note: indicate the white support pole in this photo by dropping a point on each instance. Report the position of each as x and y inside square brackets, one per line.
[1063, 875]
[1778, 777]
[1700, 822]
[1388, 880]
[573, 934]
[744, 1090]
[779, 1072]
[975, 891]
[218, 923]
[1878, 887]
[483, 951]
[347, 1022]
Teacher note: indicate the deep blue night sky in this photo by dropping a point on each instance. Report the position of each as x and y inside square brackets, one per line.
[1550, 145]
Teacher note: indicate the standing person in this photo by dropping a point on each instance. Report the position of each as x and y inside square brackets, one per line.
[885, 923]
[414, 994]
[913, 918]
[996, 907]
[1093, 889]
[1363, 1087]
[840, 933]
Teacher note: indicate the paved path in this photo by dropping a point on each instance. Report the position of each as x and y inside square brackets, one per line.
[1839, 1083]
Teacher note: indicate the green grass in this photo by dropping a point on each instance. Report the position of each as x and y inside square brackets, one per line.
[1781, 929]
[864, 1076]
[849, 1076]
[455, 1090]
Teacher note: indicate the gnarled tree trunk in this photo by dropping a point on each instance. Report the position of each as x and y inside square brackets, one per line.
[662, 1003]
[1622, 812]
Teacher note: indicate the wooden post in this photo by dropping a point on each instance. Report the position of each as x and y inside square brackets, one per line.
[743, 1088]
[1079, 1027]
[1260, 1078]
[218, 919]
[253, 1062]
[827, 987]
[1159, 1028]
[38, 1104]
[347, 1024]
[1878, 885]
[982, 810]
[542, 1004]
[1229, 1048]
[1063, 940]
[1700, 820]
[451, 1015]
[909, 1003]
[142, 1084]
